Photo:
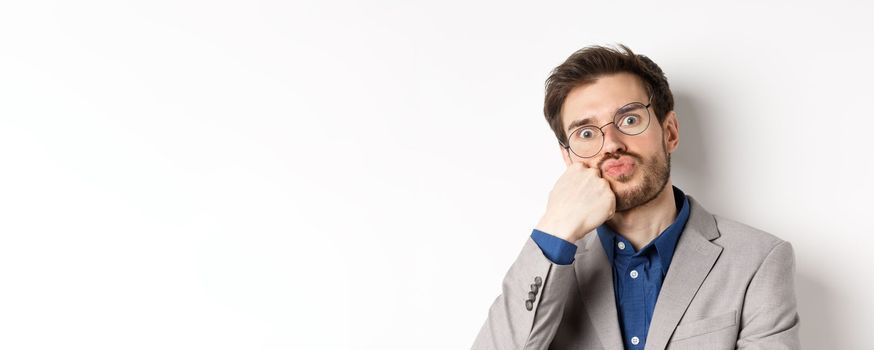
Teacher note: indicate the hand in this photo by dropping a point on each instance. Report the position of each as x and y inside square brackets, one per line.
[580, 201]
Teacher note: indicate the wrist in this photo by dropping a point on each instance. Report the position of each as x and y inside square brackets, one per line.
[556, 229]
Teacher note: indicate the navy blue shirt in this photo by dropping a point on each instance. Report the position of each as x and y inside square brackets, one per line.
[637, 275]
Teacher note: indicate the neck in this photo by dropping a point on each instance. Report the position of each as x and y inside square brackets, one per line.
[642, 224]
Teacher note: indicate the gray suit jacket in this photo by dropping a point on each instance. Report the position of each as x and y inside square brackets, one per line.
[729, 286]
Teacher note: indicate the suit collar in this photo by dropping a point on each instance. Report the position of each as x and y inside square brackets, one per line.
[702, 220]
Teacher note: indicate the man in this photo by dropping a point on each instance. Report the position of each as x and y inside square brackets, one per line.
[622, 259]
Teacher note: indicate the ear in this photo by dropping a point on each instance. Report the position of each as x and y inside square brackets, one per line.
[565, 154]
[671, 132]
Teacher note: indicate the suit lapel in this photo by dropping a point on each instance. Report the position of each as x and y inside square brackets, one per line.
[693, 258]
[595, 278]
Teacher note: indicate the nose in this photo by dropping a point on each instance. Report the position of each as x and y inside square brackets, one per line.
[613, 140]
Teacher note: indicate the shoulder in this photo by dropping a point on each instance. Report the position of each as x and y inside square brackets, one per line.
[745, 241]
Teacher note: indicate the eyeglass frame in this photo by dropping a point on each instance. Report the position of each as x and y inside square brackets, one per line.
[601, 129]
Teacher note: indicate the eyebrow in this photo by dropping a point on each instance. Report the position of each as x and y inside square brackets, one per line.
[587, 121]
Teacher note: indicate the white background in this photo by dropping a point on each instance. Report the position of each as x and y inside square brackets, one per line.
[332, 175]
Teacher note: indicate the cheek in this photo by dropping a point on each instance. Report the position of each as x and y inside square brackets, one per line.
[648, 144]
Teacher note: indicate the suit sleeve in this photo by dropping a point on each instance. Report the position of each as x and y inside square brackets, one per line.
[510, 323]
[770, 318]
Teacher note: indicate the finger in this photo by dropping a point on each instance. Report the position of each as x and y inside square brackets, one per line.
[596, 169]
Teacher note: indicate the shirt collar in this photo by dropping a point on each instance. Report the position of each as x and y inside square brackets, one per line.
[664, 243]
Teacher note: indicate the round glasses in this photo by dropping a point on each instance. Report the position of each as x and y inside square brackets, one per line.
[631, 119]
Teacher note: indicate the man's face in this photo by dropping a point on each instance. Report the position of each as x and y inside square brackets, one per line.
[637, 167]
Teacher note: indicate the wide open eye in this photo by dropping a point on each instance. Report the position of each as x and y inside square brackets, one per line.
[586, 134]
[629, 120]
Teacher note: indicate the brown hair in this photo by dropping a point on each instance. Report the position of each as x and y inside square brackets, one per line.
[588, 64]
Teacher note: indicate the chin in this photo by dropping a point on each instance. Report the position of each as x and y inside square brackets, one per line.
[634, 191]
[624, 180]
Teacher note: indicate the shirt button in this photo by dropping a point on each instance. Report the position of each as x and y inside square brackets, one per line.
[633, 273]
[621, 245]
[635, 340]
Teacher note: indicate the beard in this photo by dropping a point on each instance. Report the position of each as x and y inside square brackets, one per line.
[655, 173]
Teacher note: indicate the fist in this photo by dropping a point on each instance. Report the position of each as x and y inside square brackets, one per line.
[580, 201]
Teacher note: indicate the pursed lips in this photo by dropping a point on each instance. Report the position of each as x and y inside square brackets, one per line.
[619, 166]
